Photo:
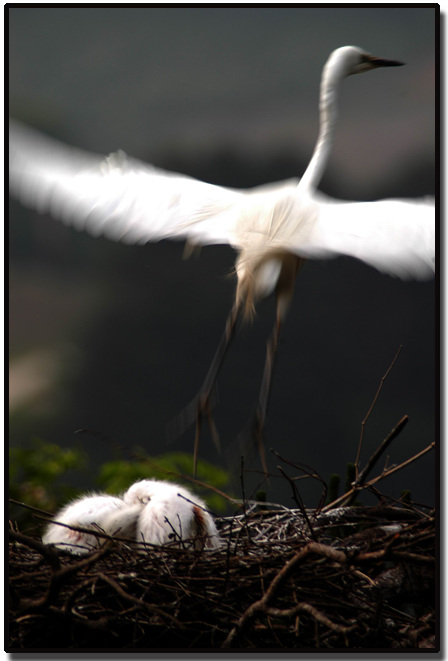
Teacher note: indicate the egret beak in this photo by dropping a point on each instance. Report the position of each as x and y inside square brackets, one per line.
[381, 62]
[370, 62]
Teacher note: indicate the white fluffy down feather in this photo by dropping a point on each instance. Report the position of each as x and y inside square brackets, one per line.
[171, 514]
[150, 511]
[98, 512]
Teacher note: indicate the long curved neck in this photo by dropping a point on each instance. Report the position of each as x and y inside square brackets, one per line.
[329, 85]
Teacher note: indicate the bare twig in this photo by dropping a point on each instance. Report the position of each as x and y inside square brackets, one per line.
[394, 469]
[48, 552]
[180, 476]
[360, 480]
[299, 502]
[304, 607]
[31, 508]
[139, 602]
[309, 472]
[381, 449]
[385, 473]
[366, 417]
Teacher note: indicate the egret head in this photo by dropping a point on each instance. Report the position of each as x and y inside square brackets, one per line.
[140, 492]
[146, 490]
[348, 60]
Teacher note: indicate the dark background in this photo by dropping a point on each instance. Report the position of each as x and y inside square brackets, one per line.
[117, 339]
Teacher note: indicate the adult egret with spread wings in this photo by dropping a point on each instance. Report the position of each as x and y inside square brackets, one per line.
[273, 228]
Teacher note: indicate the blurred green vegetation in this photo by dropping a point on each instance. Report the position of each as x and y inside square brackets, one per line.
[39, 477]
[116, 476]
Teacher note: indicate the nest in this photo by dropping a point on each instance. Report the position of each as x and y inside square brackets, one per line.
[346, 578]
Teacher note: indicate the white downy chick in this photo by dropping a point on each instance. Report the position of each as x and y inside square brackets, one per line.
[171, 513]
[98, 512]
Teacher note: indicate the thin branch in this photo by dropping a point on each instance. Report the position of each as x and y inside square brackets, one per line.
[304, 607]
[296, 496]
[194, 480]
[30, 507]
[394, 469]
[361, 478]
[386, 473]
[48, 552]
[363, 423]
[309, 472]
[139, 602]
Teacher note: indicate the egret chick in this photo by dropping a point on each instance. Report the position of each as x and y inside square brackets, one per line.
[170, 513]
[98, 512]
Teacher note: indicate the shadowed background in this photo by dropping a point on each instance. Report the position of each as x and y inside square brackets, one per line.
[117, 339]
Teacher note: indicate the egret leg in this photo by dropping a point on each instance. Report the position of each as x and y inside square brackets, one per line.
[284, 291]
[263, 397]
[202, 404]
[252, 434]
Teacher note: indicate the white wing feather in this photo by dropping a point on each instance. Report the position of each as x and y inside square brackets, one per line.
[394, 236]
[118, 197]
[130, 201]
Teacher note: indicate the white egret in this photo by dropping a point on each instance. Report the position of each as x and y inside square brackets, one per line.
[273, 228]
[96, 512]
[171, 514]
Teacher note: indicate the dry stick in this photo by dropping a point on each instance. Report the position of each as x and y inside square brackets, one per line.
[243, 493]
[298, 500]
[30, 507]
[386, 473]
[304, 607]
[394, 469]
[413, 557]
[309, 472]
[48, 552]
[261, 605]
[59, 574]
[360, 480]
[194, 480]
[363, 423]
[139, 602]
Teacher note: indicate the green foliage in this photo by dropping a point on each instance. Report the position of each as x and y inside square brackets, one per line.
[333, 487]
[37, 475]
[405, 497]
[350, 476]
[116, 476]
